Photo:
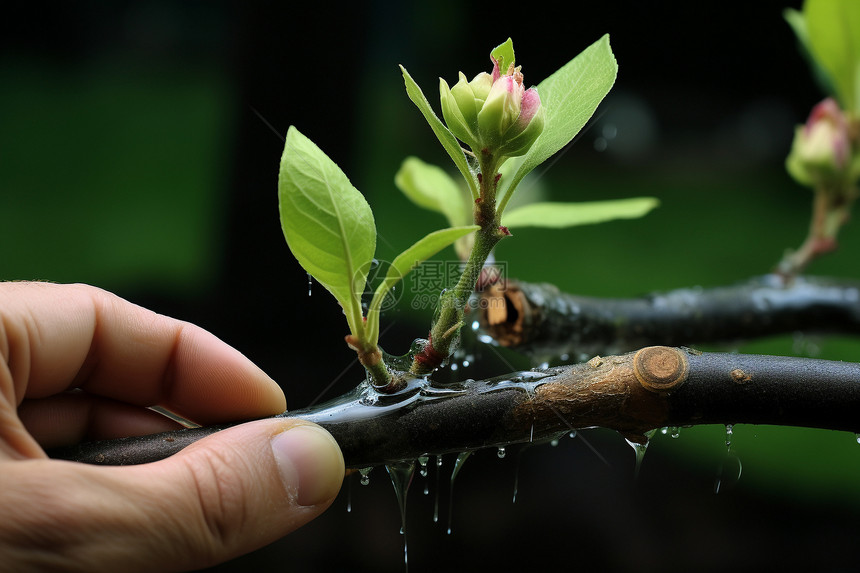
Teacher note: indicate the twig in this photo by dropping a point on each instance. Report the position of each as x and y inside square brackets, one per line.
[540, 319]
[631, 393]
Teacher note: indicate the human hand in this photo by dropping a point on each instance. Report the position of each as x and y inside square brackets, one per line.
[223, 496]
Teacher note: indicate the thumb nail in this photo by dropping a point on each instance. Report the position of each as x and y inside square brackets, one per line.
[310, 463]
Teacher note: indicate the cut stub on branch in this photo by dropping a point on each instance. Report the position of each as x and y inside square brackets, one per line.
[540, 319]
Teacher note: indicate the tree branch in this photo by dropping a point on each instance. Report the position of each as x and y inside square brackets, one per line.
[540, 319]
[631, 393]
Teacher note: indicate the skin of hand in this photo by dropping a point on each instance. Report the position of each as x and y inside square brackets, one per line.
[80, 363]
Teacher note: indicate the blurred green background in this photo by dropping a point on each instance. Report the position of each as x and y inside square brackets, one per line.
[139, 147]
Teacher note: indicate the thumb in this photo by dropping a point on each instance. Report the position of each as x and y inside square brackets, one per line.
[223, 496]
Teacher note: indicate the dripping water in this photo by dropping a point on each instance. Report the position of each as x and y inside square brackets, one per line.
[365, 475]
[349, 495]
[422, 462]
[310, 284]
[458, 465]
[401, 474]
[732, 457]
[517, 473]
[639, 450]
[501, 453]
[436, 501]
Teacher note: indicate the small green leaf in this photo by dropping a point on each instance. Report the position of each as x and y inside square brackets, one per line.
[560, 215]
[430, 187]
[404, 263]
[328, 224]
[570, 96]
[833, 27]
[797, 22]
[504, 54]
[446, 138]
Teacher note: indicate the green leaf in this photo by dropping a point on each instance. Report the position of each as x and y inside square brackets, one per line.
[430, 187]
[446, 138]
[328, 224]
[560, 215]
[797, 22]
[404, 263]
[833, 27]
[569, 96]
[504, 54]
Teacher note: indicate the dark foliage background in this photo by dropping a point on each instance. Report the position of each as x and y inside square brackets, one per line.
[139, 150]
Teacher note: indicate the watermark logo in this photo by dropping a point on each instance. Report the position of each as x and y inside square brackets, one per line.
[424, 283]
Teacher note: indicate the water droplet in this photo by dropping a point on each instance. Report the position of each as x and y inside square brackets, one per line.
[466, 363]
[572, 434]
[475, 325]
[532, 433]
[436, 501]
[458, 465]
[543, 366]
[365, 475]
[858, 438]
[310, 284]
[675, 431]
[610, 131]
[422, 462]
[517, 474]
[731, 458]
[639, 449]
[349, 496]
[664, 430]
[554, 443]
[454, 366]
[401, 474]
[501, 453]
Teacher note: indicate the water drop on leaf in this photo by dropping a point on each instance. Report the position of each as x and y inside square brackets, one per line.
[365, 475]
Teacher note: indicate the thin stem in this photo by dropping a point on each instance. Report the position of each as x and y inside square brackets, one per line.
[370, 356]
[452, 303]
[830, 211]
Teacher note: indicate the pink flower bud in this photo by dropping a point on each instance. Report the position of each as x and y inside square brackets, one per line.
[494, 112]
[821, 152]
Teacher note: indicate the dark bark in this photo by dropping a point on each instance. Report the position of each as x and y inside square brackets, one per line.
[540, 319]
[631, 393]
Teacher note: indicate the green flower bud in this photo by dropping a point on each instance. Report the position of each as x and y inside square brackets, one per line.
[821, 152]
[463, 129]
[493, 113]
[481, 86]
[529, 125]
[500, 111]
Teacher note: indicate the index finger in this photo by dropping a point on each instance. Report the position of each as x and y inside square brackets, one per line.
[59, 337]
